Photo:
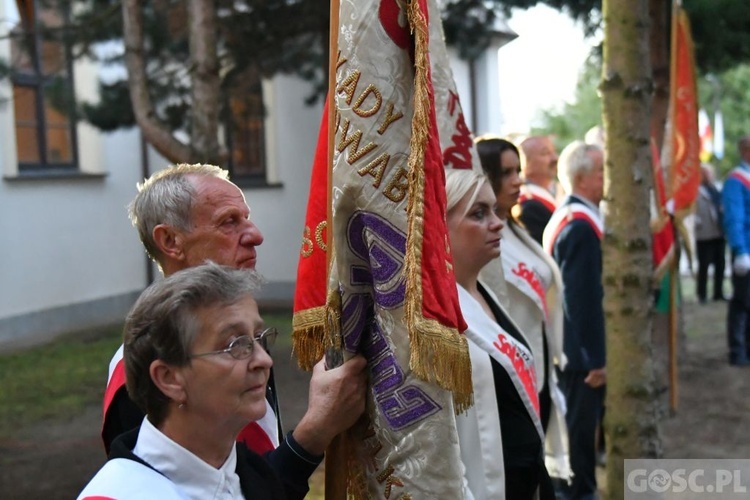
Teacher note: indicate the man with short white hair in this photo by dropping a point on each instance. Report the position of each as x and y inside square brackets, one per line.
[573, 238]
[186, 215]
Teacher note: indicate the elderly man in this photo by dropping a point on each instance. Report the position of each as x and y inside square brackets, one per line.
[539, 170]
[736, 201]
[573, 237]
[186, 215]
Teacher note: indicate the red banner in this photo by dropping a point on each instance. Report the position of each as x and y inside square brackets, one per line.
[310, 292]
[684, 140]
[661, 225]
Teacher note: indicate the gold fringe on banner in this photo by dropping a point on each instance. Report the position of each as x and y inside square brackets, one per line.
[308, 332]
[438, 354]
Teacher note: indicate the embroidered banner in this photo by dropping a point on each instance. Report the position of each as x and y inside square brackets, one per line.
[391, 292]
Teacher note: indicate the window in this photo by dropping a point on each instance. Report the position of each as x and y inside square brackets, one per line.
[245, 132]
[43, 95]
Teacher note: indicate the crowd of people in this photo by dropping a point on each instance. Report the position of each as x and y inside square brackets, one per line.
[190, 409]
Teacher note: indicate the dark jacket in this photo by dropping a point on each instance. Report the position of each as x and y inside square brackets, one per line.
[578, 252]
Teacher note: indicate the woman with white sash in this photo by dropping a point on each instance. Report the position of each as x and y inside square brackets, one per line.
[529, 284]
[197, 365]
[501, 435]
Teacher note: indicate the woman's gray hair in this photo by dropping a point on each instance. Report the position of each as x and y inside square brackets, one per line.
[167, 198]
[575, 160]
[459, 182]
[163, 324]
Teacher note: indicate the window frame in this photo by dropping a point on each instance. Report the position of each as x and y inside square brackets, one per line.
[36, 81]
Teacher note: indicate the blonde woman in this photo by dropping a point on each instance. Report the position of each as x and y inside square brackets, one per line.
[501, 435]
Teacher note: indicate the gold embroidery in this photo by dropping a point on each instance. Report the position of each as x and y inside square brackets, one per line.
[353, 143]
[307, 244]
[357, 108]
[319, 235]
[390, 480]
[390, 117]
[340, 60]
[376, 168]
[349, 85]
[398, 186]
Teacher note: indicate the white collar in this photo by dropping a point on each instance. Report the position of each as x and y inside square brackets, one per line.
[196, 478]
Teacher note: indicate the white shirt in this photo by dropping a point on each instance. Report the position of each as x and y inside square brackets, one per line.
[196, 478]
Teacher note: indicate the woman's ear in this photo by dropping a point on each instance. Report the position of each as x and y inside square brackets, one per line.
[169, 379]
[169, 241]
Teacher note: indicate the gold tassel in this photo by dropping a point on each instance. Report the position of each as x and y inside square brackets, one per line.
[438, 354]
[308, 332]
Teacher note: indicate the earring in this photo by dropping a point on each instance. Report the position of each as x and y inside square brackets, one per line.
[181, 405]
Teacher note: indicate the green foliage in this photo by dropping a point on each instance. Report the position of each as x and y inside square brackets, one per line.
[60, 379]
[574, 119]
[720, 33]
[57, 380]
[468, 25]
[731, 91]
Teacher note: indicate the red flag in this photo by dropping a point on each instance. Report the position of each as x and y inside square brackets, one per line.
[310, 293]
[684, 140]
[661, 224]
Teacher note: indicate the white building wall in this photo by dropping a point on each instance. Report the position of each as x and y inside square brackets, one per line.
[280, 211]
[70, 257]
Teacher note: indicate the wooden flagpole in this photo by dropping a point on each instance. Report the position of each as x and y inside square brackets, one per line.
[336, 454]
[674, 268]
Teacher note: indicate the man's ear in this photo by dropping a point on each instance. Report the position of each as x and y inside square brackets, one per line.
[169, 241]
[169, 379]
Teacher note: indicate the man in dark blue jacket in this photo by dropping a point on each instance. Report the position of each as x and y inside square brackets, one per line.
[573, 238]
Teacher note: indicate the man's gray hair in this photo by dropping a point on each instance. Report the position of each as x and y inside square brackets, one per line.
[575, 160]
[163, 324]
[167, 198]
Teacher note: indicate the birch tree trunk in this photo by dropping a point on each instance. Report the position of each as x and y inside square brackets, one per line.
[203, 145]
[631, 421]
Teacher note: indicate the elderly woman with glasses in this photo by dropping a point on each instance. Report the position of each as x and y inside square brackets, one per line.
[197, 364]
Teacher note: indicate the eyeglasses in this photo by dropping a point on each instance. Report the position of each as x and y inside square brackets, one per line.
[242, 347]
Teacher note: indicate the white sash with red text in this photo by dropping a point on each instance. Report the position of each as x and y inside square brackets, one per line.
[513, 356]
[538, 193]
[521, 275]
[566, 213]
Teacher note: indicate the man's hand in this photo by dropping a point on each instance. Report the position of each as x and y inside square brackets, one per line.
[336, 400]
[741, 264]
[596, 378]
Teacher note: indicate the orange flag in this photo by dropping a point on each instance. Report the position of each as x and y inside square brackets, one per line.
[684, 171]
